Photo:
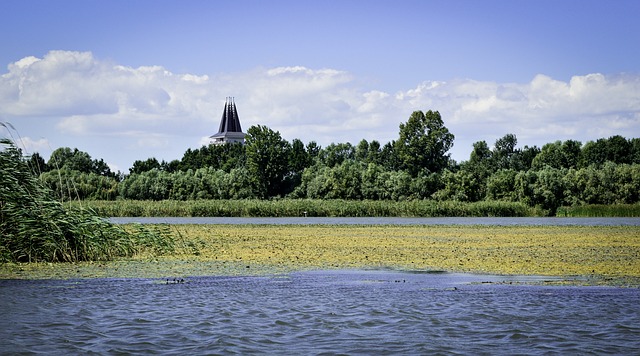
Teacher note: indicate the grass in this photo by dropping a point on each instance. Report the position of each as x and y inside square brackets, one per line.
[34, 227]
[302, 207]
[608, 255]
[595, 210]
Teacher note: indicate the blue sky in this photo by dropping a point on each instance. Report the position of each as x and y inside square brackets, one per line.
[127, 80]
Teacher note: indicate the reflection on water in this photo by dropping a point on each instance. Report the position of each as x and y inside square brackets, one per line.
[385, 221]
[366, 312]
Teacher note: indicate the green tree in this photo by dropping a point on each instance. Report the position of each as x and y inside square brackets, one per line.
[315, 182]
[462, 185]
[74, 160]
[635, 150]
[558, 155]
[571, 150]
[397, 185]
[225, 157]
[371, 186]
[373, 156]
[313, 149]
[100, 167]
[504, 150]
[171, 166]
[299, 158]
[267, 160]
[336, 153]
[144, 166]
[37, 164]
[423, 143]
[550, 156]
[501, 185]
[619, 149]
[544, 188]
[481, 155]
[388, 157]
[362, 150]
[345, 180]
[70, 185]
[523, 158]
[425, 185]
[616, 149]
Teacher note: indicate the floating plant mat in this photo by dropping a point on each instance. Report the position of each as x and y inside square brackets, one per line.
[599, 254]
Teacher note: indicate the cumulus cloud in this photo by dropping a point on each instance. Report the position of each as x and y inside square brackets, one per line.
[543, 110]
[150, 106]
[91, 95]
[35, 145]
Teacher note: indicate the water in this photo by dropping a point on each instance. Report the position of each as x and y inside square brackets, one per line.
[339, 312]
[383, 221]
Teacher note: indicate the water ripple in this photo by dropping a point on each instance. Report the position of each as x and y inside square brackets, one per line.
[343, 312]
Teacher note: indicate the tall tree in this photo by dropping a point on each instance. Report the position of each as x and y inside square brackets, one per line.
[481, 156]
[144, 166]
[388, 157]
[362, 150]
[74, 160]
[504, 150]
[336, 153]
[558, 155]
[616, 149]
[523, 158]
[37, 164]
[299, 158]
[267, 160]
[423, 143]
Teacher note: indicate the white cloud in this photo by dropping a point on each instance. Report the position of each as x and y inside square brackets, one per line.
[30, 145]
[152, 107]
[543, 110]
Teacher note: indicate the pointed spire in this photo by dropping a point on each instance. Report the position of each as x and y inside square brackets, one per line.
[230, 129]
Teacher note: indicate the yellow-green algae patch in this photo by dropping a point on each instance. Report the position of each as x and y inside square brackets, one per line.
[603, 254]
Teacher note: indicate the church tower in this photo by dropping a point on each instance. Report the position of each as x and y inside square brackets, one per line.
[230, 130]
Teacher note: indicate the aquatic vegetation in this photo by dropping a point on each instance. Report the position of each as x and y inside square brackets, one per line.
[566, 250]
[599, 210]
[306, 207]
[609, 254]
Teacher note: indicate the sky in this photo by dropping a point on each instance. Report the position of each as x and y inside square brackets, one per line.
[127, 80]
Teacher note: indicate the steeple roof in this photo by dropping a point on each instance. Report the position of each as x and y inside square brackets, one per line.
[230, 130]
[230, 121]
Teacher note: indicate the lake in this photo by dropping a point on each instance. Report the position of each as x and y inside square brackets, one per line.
[320, 312]
[381, 221]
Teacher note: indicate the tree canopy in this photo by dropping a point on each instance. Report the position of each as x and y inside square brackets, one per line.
[423, 143]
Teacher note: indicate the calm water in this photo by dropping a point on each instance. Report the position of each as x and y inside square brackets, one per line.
[349, 312]
[387, 221]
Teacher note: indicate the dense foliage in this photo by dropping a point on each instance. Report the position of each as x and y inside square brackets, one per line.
[34, 226]
[306, 207]
[416, 166]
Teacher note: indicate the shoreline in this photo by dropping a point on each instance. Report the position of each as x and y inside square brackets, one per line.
[161, 271]
[577, 255]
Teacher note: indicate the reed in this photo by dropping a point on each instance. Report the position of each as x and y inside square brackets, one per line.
[597, 210]
[306, 207]
[34, 227]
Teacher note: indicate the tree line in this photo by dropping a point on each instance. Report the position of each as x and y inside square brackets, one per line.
[416, 165]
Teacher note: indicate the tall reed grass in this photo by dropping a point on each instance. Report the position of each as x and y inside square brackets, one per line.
[34, 227]
[306, 207]
[597, 210]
